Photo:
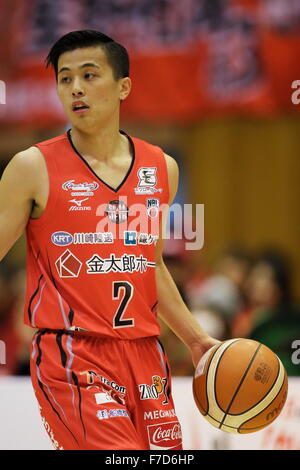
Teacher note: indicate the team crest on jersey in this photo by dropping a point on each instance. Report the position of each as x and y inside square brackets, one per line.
[147, 181]
[152, 207]
[117, 211]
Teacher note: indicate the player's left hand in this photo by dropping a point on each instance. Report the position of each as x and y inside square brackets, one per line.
[198, 348]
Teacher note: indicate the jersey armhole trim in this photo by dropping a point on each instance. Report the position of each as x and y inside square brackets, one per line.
[52, 196]
[165, 171]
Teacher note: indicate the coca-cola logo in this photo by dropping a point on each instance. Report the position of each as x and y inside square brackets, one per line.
[161, 434]
[164, 435]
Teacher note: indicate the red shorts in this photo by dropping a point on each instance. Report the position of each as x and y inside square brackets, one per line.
[104, 394]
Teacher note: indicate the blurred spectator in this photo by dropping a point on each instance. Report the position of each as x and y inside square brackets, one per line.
[213, 321]
[218, 299]
[272, 318]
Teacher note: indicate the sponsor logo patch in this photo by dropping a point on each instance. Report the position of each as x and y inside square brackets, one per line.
[79, 205]
[147, 239]
[93, 238]
[102, 414]
[83, 238]
[159, 414]
[164, 436]
[117, 211]
[79, 202]
[68, 265]
[152, 207]
[104, 397]
[135, 238]
[61, 238]
[114, 413]
[119, 413]
[80, 189]
[153, 391]
[92, 376]
[127, 263]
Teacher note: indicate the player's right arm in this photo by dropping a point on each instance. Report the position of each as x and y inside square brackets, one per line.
[18, 191]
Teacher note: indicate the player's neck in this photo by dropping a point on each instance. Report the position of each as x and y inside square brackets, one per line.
[103, 144]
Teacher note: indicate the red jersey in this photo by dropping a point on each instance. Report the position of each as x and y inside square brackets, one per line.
[91, 255]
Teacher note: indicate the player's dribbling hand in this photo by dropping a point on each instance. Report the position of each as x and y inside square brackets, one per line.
[198, 348]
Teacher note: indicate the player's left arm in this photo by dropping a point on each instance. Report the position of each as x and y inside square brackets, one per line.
[171, 307]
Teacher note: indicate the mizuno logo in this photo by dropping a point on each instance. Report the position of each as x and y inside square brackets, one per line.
[78, 203]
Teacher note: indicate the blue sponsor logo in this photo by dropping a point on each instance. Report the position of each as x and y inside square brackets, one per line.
[130, 238]
[62, 238]
[120, 413]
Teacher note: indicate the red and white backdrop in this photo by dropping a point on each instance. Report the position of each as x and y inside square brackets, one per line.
[189, 59]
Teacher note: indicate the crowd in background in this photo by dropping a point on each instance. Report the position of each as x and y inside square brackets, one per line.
[242, 295]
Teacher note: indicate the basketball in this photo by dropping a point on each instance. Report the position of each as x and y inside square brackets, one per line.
[240, 386]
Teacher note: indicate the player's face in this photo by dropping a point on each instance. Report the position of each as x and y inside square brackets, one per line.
[84, 75]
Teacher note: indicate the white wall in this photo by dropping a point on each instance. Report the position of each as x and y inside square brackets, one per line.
[21, 427]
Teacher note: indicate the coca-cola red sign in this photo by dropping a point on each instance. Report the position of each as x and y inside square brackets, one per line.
[165, 436]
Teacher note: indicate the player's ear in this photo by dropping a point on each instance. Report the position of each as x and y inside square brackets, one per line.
[125, 87]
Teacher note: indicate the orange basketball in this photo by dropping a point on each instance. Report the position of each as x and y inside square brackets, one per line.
[240, 386]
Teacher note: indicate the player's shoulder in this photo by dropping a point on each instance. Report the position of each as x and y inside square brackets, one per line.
[172, 164]
[23, 173]
[29, 158]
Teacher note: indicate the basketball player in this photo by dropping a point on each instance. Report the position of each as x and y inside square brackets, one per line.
[100, 374]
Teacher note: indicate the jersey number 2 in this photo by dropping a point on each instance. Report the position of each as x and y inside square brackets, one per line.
[127, 289]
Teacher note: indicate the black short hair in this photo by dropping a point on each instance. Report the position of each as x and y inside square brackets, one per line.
[117, 55]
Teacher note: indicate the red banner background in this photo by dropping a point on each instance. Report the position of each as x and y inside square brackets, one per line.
[189, 59]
